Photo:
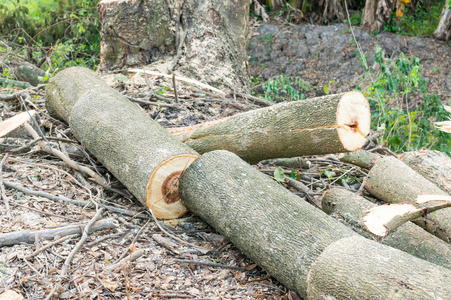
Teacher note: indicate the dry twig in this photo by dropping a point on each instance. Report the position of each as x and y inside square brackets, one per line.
[81, 241]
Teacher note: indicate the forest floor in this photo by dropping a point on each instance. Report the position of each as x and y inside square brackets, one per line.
[135, 257]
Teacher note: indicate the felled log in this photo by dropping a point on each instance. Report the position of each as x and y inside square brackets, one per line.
[348, 207]
[392, 181]
[329, 124]
[433, 165]
[132, 146]
[361, 158]
[301, 246]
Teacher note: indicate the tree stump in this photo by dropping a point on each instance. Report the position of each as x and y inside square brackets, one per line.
[136, 33]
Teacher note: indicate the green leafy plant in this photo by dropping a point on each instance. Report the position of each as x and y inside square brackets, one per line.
[52, 34]
[420, 19]
[406, 125]
[282, 88]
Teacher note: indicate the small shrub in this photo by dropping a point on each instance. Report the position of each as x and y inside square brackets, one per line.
[407, 126]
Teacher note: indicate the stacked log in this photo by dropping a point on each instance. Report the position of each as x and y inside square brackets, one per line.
[305, 249]
[328, 124]
[132, 146]
[392, 181]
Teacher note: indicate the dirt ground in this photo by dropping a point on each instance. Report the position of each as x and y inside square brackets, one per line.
[136, 257]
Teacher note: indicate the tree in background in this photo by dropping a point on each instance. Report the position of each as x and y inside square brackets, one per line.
[443, 31]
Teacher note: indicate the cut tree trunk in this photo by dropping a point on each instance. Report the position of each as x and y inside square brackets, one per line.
[306, 250]
[348, 207]
[361, 158]
[132, 146]
[137, 33]
[433, 165]
[392, 181]
[329, 124]
[443, 30]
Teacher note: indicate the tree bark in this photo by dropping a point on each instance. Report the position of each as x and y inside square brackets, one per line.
[299, 245]
[329, 124]
[361, 158]
[433, 165]
[136, 33]
[376, 13]
[443, 30]
[348, 207]
[392, 181]
[132, 146]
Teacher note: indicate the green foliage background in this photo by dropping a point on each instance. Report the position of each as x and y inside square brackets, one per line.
[66, 32]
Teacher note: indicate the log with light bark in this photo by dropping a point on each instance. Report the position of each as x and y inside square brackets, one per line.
[347, 207]
[393, 181]
[306, 250]
[328, 124]
[433, 165]
[132, 146]
[361, 158]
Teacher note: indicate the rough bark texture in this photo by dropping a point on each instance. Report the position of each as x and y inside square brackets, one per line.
[290, 129]
[357, 268]
[393, 181]
[348, 206]
[433, 165]
[291, 239]
[216, 41]
[139, 32]
[361, 158]
[135, 32]
[126, 140]
[377, 13]
[443, 30]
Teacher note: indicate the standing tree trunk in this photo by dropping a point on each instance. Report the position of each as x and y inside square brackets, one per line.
[443, 31]
[377, 13]
[140, 32]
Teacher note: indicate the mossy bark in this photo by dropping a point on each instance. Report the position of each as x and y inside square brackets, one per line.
[347, 207]
[298, 244]
[121, 135]
[393, 181]
[329, 124]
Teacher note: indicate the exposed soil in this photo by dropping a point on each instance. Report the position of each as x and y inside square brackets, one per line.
[318, 54]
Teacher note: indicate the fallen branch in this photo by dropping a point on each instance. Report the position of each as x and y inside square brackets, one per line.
[179, 78]
[14, 238]
[84, 204]
[80, 243]
[210, 264]
[2, 186]
[46, 148]
[135, 255]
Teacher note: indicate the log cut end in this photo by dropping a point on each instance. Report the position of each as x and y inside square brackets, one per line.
[162, 194]
[353, 120]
